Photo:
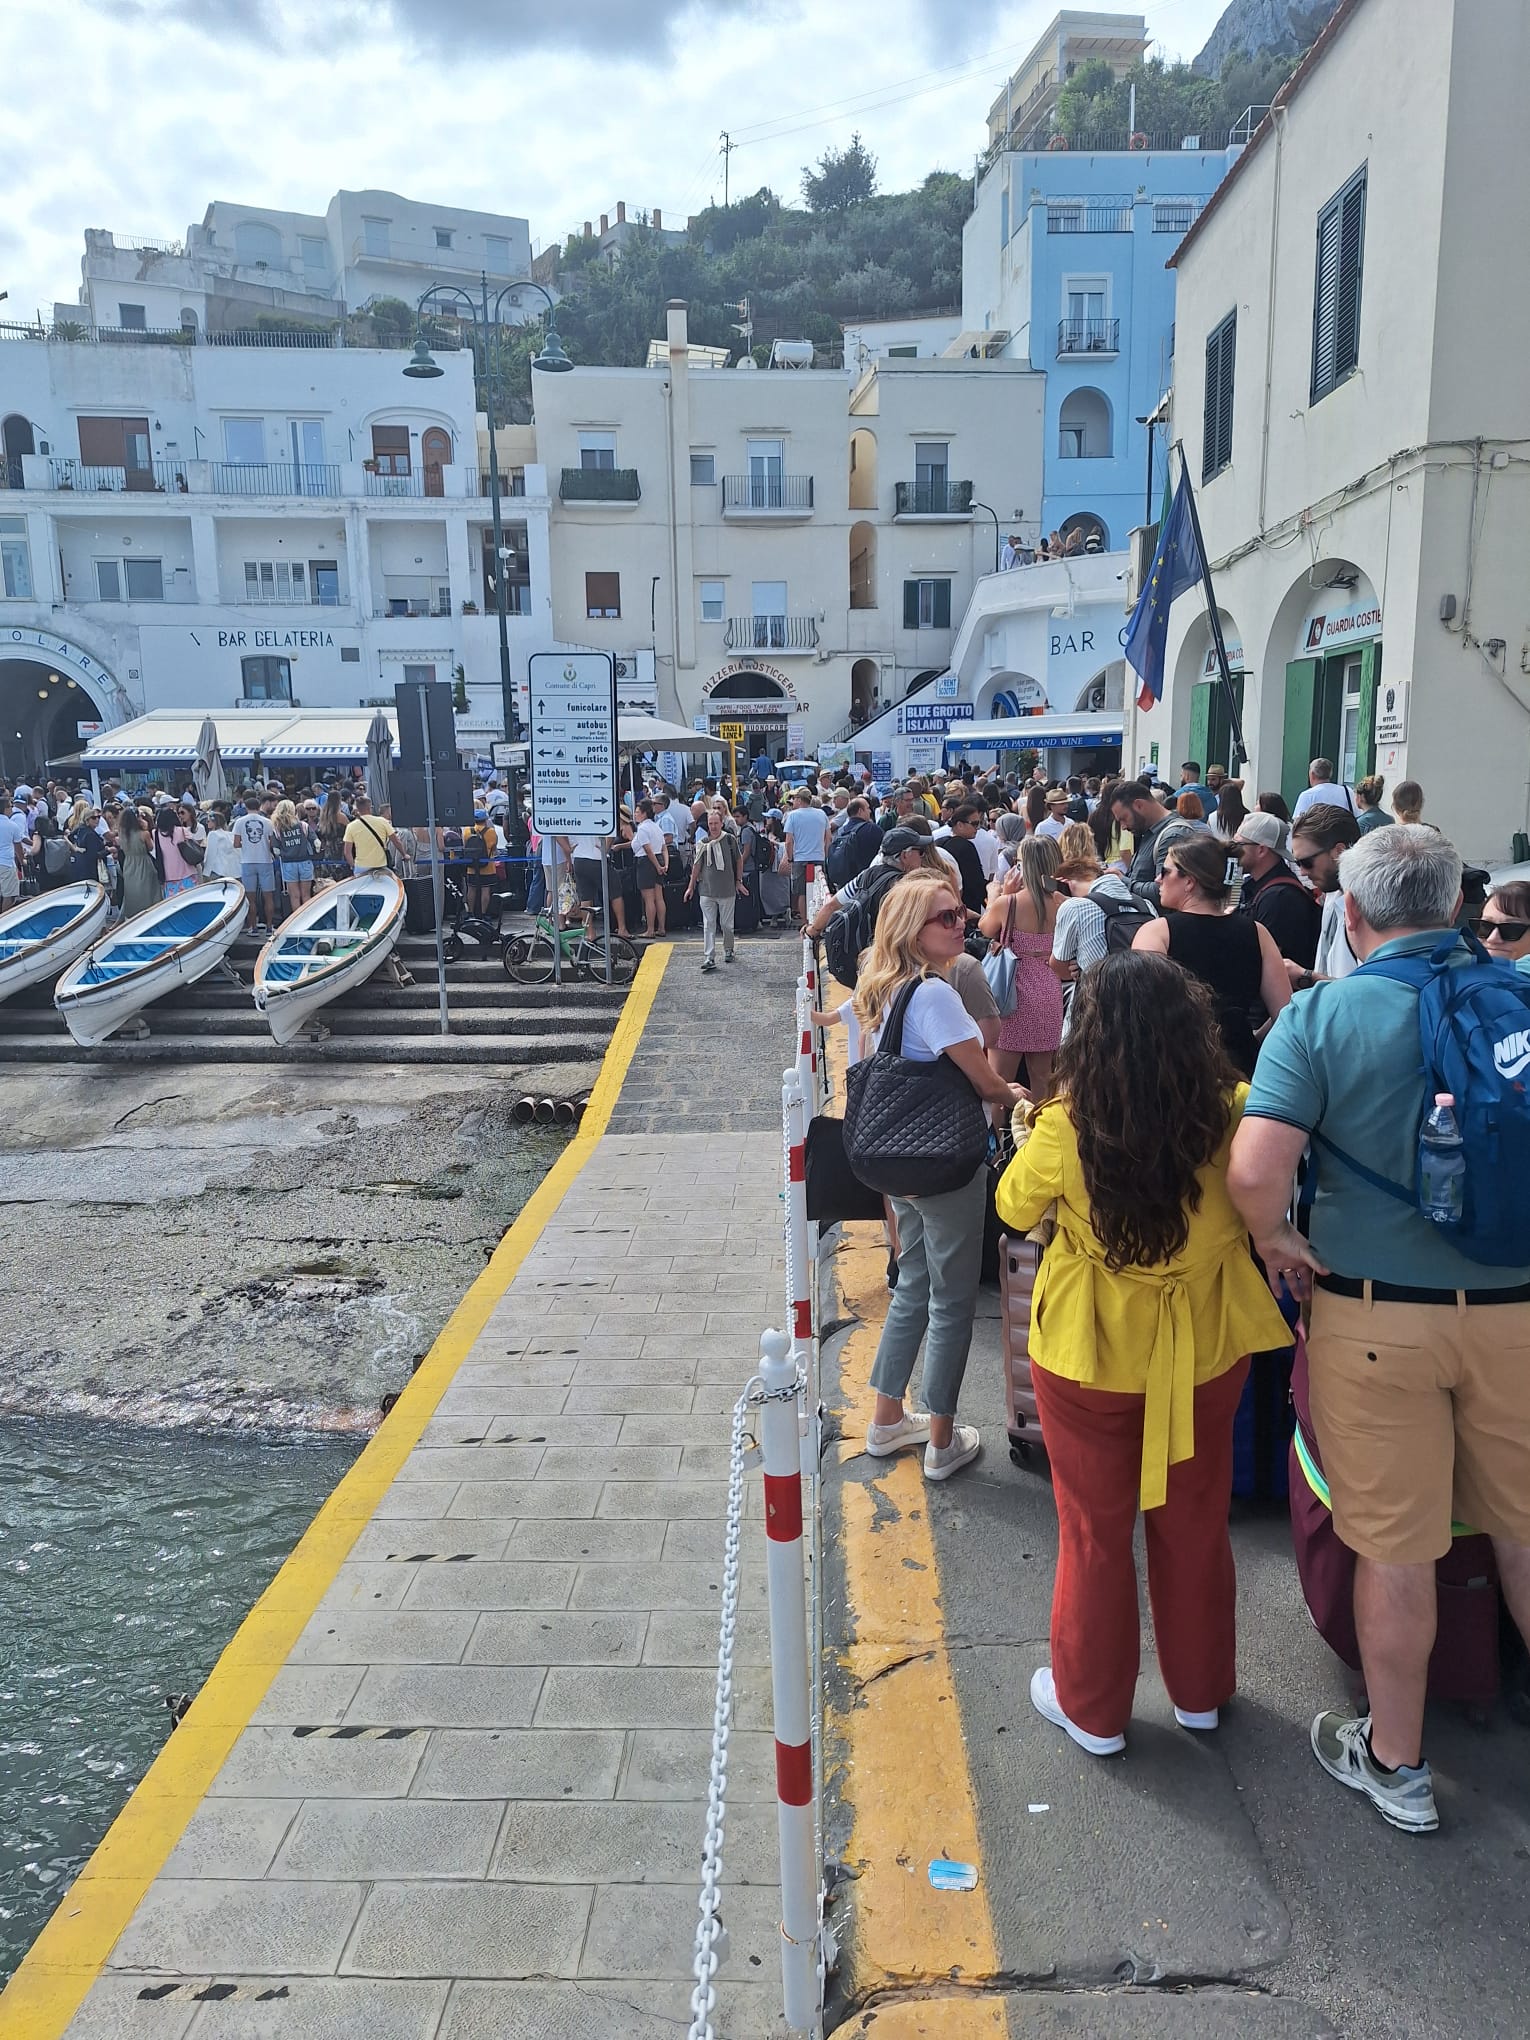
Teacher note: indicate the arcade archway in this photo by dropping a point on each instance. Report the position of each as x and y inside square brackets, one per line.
[42, 706]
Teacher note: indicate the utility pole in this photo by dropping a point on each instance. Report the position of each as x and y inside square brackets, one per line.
[728, 146]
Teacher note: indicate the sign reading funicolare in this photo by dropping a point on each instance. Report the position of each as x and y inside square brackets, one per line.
[573, 743]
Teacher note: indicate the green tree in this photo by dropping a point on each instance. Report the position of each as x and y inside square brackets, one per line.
[844, 177]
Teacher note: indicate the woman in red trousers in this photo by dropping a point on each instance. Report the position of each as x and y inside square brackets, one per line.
[1147, 1303]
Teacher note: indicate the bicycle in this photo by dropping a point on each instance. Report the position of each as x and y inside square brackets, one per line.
[528, 958]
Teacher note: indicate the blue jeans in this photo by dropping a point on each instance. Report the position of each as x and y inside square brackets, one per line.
[536, 889]
[940, 1256]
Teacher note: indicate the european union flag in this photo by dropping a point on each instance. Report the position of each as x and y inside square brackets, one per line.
[1176, 567]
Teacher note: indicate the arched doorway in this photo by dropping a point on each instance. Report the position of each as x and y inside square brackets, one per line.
[1327, 642]
[1092, 537]
[864, 700]
[863, 566]
[758, 702]
[1083, 426]
[863, 469]
[42, 706]
[15, 440]
[1200, 725]
[435, 453]
[1009, 693]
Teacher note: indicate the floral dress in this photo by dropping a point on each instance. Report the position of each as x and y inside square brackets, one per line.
[1036, 1024]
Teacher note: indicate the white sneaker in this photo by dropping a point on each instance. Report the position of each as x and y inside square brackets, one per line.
[912, 1428]
[941, 1461]
[1206, 1720]
[1046, 1703]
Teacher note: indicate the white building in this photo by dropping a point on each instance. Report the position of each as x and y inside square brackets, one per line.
[1355, 418]
[793, 551]
[918, 337]
[203, 527]
[247, 262]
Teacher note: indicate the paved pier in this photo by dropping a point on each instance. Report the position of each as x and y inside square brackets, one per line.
[450, 1777]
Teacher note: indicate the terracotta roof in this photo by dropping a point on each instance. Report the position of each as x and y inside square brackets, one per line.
[1283, 97]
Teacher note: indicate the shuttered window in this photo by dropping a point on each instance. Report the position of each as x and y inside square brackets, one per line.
[1216, 430]
[1336, 292]
[926, 605]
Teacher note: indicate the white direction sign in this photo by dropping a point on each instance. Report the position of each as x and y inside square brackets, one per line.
[573, 743]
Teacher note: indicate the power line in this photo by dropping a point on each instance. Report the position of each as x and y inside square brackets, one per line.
[884, 95]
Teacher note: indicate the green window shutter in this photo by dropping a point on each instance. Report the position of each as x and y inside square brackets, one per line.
[1296, 735]
[1199, 745]
[942, 605]
[910, 605]
[1370, 681]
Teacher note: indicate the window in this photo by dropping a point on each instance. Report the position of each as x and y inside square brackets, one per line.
[306, 436]
[1174, 215]
[597, 450]
[767, 461]
[703, 470]
[266, 679]
[418, 676]
[115, 443]
[108, 581]
[132, 318]
[350, 655]
[374, 237]
[275, 581]
[927, 605]
[145, 580]
[602, 594]
[1216, 428]
[931, 464]
[314, 250]
[15, 560]
[714, 595]
[443, 237]
[1336, 291]
[768, 607]
[244, 441]
[910, 353]
[324, 581]
[496, 254]
[1083, 426]
[390, 449]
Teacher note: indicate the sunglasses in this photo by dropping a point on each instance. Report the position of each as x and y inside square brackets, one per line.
[1506, 931]
[1306, 863]
[948, 917]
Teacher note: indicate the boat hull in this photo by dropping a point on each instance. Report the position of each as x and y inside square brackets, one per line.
[174, 942]
[331, 944]
[41, 937]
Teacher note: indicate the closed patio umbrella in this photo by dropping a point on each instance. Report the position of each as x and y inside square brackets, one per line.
[207, 774]
[379, 760]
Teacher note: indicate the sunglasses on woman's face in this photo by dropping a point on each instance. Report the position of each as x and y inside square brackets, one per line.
[948, 917]
[1506, 931]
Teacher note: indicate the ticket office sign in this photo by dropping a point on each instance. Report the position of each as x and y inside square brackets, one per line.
[573, 743]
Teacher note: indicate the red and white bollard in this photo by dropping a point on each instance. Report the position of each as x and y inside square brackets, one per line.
[789, 1681]
[800, 1248]
[807, 1046]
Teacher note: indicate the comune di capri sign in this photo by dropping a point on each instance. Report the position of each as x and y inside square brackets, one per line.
[573, 743]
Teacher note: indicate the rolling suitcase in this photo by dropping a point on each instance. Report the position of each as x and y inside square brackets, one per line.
[1262, 1428]
[1464, 1665]
[1018, 1262]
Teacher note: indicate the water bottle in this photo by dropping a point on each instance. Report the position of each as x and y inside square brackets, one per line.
[1441, 1164]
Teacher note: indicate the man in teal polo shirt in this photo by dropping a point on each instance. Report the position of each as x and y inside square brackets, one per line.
[1420, 1358]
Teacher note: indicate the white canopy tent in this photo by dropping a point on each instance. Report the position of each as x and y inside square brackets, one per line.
[168, 736]
[652, 733]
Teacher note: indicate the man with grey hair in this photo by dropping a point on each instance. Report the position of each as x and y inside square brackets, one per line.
[1323, 790]
[1419, 1382]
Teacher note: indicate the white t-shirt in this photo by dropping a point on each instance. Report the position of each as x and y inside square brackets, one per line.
[222, 859]
[1335, 958]
[1329, 794]
[253, 838]
[648, 841]
[13, 830]
[587, 846]
[1053, 826]
[935, 1021]
[987, 845]
[807, 830]
[684, 821]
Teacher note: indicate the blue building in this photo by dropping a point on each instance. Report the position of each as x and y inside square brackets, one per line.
[1063, 266]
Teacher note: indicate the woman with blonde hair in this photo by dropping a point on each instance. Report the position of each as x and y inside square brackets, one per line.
[1075, 842]
[920, 932]
[294, 851]
[1368, 809]
[1023, 918]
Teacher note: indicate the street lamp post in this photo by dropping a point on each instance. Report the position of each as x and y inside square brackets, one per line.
[995, 516]
[487, 321]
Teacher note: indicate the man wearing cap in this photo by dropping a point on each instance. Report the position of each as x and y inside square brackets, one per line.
[1273, 893]
[1057, 813]
[902, 850]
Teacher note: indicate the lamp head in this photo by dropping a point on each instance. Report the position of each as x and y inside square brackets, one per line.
[422, 363]
[552, 359]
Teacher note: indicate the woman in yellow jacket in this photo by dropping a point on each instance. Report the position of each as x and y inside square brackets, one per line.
[1147, 1305]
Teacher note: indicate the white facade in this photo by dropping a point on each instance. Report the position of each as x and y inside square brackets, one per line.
[795, 555]
[203, 527]
[243, 260]
[1368, 538]
[915, 338]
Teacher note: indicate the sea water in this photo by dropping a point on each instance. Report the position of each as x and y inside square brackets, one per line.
[128, 1557]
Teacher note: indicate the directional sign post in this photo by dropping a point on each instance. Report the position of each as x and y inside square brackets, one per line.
[732, 734]
[573, 757]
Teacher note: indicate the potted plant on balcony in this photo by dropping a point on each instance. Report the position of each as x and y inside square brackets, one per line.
[459, 690]
[470, 608]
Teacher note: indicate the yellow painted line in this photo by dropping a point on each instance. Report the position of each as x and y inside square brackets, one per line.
[900, 1746]
[70, 1952]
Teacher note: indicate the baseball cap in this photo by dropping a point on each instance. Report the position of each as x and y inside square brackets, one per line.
[896, 841]
[1267, 830]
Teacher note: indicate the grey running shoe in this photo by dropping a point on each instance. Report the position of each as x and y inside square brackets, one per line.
[1403, 1797]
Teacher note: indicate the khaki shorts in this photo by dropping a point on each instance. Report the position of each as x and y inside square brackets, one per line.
[1422, 1413]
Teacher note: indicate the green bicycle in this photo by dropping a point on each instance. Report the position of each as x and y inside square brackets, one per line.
[528, 958]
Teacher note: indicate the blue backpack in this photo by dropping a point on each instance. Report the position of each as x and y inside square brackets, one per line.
[1474, 1042]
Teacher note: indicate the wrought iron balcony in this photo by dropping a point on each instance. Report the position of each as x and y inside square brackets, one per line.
[932, 499]
[1089, 336]
[275, 478]
[772, 634]
[1070, 217]
[767, 495]
[599, 485]
[161, 477]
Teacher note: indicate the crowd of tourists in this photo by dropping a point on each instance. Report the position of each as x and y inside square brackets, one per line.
[1234, 1032]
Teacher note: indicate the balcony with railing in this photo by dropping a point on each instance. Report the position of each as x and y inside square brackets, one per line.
[779, 634]
[275, 478]
[512, 482]
[769, 495]
[931, 499]
[613, 487]
[1089, 336]
[159, 478]
[414, 595]
[1105, 216]
[396, 485]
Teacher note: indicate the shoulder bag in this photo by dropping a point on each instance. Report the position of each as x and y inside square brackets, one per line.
[1001, 964]
[912, 1129]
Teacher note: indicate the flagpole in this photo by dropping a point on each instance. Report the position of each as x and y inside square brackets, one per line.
[1234, 719]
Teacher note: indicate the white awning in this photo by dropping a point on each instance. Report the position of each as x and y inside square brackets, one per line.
[167, 736]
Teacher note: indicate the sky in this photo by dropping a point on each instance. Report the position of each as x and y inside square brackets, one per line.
[135, 114]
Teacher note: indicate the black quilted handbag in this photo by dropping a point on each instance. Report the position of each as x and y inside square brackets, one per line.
[912, 1129]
